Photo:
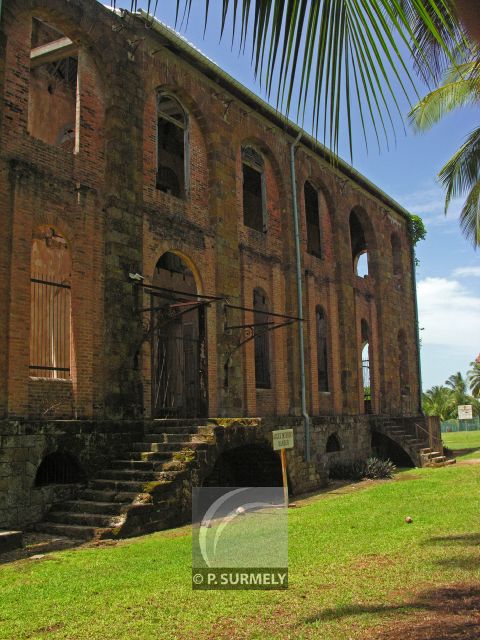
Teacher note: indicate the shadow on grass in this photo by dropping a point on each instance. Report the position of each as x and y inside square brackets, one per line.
[467, 539]
[459, 453]
[37, 545]
[445, 613]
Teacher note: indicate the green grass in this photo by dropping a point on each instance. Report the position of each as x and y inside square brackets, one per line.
[354, 564]
[467, 443]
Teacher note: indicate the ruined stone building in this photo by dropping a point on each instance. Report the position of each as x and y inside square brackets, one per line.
[149, 281]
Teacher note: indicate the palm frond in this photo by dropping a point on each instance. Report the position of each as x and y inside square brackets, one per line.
[470, 216]
[462, 172]
[339, 54]
[447, 97]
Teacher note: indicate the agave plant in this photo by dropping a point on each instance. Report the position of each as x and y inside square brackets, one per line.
[339, 54]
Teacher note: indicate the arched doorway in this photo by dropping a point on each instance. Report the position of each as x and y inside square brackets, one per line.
[179, 364]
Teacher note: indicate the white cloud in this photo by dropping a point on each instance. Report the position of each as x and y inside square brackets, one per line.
[449, 313]
[429, 203]
[466, 272]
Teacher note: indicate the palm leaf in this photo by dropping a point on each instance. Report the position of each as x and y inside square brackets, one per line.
[339, 54]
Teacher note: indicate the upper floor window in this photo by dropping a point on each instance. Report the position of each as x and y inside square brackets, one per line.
[396, 254]
[254, 214]
[53, 100]
[322, 350]
[172, 133]
[312, 215]
[261, 340]
[359, 246]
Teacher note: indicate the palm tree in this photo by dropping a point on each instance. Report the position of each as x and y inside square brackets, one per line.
[438, 401]
[473, 378]
[461, 174]
[458, 387]
[340, 53]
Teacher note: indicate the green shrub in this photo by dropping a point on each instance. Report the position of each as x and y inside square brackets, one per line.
[372, 468]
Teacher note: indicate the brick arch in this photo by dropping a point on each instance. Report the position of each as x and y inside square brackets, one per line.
[240, 141]
[190, 263]
[327, 226]
[73, 20]
[198, 128]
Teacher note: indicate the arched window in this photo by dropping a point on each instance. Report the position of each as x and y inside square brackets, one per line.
[172, 133]
[396, 254]
[403, 363]
[254, 199]
[322, 350]
[261, 340]
[359, 246]
[50, 305]
[366, 374]
[333, 443]
[312, 215]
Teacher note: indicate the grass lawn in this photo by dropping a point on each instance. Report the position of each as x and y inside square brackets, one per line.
[356, 570]
[466, 443]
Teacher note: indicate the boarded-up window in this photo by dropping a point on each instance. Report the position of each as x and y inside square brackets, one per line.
[322, 350]
[253, 189]
[262, 343]
[312, 215]
[50, 306]
[171, 143]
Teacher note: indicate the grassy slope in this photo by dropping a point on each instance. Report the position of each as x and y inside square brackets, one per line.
[462, 441]
[354, 563]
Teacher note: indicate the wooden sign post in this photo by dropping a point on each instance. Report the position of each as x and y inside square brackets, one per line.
[283, 439]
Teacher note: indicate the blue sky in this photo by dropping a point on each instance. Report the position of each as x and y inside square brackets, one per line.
[449, 273]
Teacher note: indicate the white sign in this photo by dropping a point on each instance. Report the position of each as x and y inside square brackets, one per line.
[465, 412]
[282, 439]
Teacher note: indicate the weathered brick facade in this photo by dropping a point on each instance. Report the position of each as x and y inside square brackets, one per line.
[102, 197]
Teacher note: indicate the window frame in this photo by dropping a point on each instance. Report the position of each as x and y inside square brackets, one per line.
[259, 168]
[186, 142]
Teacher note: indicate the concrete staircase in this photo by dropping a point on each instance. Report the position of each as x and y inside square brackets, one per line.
[413, 438]
[434, 458]
[136, 494]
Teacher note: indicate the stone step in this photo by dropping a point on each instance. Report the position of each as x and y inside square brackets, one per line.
[101, 520]
[89, 506]
[10, 540]
[105, 495]
[425, 450]
[128, 474]
[169, 437]
[143, 456]
[69, 530]
[140, 465]
[438, 459]
[117, 486]
[161, 447]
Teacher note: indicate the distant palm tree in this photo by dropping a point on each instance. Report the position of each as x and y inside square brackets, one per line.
[473, 378]
[461, 174]
[438, 401]
[459, 388]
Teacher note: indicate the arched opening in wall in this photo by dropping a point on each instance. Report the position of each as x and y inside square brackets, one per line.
[251, 465]
[403, 371]
[312, 215]
[261, 340]
[179, 360]
[359, 246]
[322, 351]
[254, 189]
[366, 370]
[385, 448]
[333, 444]
[172, 146]
[53, 100]
[396, 254]
[59, 468]
[50, 305]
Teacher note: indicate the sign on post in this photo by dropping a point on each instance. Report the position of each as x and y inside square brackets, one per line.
[465, 412]
[283, 439]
